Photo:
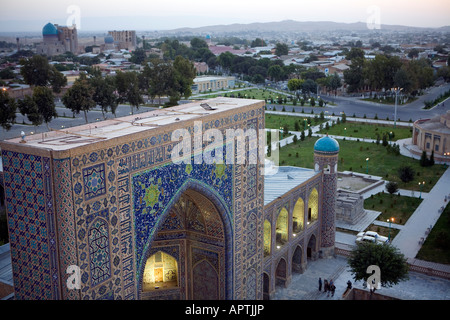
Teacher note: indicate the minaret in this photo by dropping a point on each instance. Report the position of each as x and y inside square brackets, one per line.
[326, 154]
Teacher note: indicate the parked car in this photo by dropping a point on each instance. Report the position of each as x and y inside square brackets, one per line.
[371, 236]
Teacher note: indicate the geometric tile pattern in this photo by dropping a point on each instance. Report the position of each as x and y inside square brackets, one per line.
[28, 227]
[94, 181]
[107, 203]
[99, 251]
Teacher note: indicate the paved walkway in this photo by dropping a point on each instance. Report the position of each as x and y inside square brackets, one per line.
[424, 218]
[305, 286]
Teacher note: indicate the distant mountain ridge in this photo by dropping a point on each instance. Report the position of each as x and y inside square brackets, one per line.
[298, 26]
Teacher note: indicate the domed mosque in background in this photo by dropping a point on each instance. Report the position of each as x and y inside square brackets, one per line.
[49, 31]
[109, 42]
[58, 40]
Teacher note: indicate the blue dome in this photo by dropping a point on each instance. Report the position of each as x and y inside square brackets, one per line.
[326, 144]
[49, 30]
[109, 39]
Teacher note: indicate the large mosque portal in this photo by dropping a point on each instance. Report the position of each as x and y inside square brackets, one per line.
[187, 258]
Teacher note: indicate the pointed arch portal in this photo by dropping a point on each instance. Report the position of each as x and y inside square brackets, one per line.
[189, 254]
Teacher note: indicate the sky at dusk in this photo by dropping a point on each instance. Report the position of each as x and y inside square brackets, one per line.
[27, 15]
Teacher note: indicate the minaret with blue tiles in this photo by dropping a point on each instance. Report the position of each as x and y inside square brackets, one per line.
[326, 153]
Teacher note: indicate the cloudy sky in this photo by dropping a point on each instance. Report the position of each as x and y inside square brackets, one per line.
[28, 15]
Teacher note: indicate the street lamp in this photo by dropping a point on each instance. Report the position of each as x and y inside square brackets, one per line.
[367, 168]
[396, 90]
[420, 185]
[390, 220]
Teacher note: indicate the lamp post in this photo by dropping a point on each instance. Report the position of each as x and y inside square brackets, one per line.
[420, 185]
[396, 90]
[390, 220]
[367, 165]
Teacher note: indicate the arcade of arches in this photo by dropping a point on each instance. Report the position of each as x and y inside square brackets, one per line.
[290, 230]
[191, 235]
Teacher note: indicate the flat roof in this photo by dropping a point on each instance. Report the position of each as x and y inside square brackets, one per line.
[70, 138]
[286, 179]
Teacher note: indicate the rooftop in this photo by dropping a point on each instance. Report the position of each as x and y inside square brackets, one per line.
[286, 179]
[71, 138]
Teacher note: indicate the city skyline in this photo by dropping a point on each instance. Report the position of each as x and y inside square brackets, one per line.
[23, 16]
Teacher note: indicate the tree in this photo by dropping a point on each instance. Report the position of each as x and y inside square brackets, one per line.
[44, 99]
[127, 85]
[335, 82]
[309, 86]
[392, 263]
[29, 108]
[354, 76]
[80, 97]
[104, 93]
[295, 84]
[35, 70]
[281, 49]
[183, 75]
[275, 72]
[392, 187]
[57, 79]
[160, 78]
[8, 108]
[406, 173]
[138, 56]
[258, 42]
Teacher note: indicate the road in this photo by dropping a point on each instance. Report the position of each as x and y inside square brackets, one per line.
[354, 105]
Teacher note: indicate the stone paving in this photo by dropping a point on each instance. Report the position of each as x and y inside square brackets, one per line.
[305, 286]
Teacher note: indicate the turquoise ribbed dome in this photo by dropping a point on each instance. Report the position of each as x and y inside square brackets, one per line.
[326, 144]
[49, 30]
[109, 39]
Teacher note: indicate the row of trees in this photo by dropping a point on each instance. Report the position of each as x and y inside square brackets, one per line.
[385, 72]
[158, 78]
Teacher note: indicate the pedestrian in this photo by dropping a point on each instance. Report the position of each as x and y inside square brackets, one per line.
[332, 288]
[325, 285]
[320, 284]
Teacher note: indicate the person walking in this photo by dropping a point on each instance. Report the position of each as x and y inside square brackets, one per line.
[325, 287]
[332, 288]
[320, 284]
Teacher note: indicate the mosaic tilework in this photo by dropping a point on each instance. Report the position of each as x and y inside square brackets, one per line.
[66, 221]
[28, 226]
[94, 182]
[99, 251]
[153, 191]
[99, 180]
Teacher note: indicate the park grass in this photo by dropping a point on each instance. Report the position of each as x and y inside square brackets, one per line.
[392, 206]
[275, 121]
[352, 157]
[436, 247]
[368, 131]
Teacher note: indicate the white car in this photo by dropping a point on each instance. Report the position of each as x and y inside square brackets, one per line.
[371, 236]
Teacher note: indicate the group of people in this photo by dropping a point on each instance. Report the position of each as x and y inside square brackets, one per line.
[328, 287]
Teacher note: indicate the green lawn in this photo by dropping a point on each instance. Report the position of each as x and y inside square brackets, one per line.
[437, 245]
[259, 94]
[368, 131]
[352, 157]
[274, 121]
[392, 206]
